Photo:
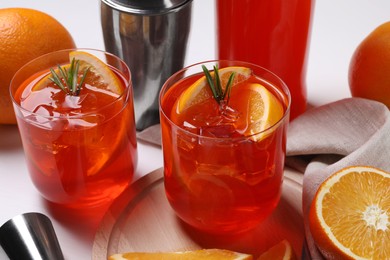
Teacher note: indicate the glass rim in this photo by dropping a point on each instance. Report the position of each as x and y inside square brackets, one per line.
[81, 115]
[283, 88]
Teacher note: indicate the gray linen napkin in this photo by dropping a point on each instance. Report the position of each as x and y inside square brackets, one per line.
[328, 138]
[325, 139]
[150, 135]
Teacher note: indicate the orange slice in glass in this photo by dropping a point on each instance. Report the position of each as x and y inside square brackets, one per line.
[200, 90]
[259, 108]
[100, 76]
[103, 79]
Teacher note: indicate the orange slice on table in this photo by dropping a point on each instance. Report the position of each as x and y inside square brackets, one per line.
[280, 251]
[207, 254]
[350, 214]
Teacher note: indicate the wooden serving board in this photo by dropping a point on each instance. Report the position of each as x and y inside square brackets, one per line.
[141, 219]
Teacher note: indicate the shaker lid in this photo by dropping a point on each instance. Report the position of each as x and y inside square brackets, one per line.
[146, 7]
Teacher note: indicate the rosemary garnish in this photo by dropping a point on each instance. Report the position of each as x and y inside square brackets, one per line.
[67, 79]
[215, 84]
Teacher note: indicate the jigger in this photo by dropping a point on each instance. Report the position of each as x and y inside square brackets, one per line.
[29, 236]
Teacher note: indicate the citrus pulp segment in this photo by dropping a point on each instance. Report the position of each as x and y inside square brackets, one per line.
[350, 214]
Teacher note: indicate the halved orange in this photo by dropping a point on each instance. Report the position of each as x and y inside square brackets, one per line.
[350, 214]
[207, 254]
[280, 251]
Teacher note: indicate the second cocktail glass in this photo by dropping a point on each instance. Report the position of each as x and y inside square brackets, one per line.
[224, 160]
[79, 143]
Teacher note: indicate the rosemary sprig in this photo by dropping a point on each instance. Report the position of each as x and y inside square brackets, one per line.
[215, 84]
[66, 79]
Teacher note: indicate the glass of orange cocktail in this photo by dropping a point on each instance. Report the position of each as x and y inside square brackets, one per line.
[224, 146]
[75, 114]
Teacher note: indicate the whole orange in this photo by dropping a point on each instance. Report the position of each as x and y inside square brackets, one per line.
[25, 34]
[369, 69]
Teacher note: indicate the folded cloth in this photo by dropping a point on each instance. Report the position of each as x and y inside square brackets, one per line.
[326, 139]
[151, 135]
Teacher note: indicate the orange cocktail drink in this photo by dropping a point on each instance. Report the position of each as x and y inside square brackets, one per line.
[75, 115]
[224, 146]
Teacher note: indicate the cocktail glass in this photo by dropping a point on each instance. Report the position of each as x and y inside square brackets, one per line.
[216, 179]
[80, 150]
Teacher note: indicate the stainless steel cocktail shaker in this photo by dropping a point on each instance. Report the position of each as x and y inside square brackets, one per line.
[151, 37]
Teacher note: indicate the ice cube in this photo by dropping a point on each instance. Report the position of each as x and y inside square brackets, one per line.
[86, 121]
[220, 130]
[220, 125]
[42, 116]
[229, 114]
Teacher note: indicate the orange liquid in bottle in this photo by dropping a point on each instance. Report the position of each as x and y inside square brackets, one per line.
[80, 150]
[216, 179]
[271, 33]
